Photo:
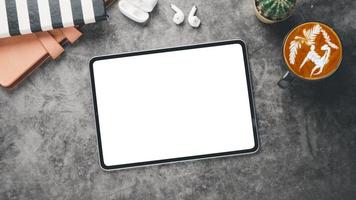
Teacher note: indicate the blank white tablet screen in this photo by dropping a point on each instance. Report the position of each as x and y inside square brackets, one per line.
[173, 104]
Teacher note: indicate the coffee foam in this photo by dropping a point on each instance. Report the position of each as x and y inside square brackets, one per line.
[312, 51]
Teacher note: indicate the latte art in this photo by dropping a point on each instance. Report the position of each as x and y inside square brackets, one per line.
[312, 51]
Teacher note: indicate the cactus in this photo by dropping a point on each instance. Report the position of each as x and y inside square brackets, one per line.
[274, 10]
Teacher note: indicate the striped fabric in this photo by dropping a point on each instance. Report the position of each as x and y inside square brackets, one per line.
[19, 17]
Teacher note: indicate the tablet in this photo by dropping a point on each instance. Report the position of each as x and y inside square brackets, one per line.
[174, 104]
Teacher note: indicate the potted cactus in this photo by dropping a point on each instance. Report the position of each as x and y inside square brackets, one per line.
[272, 11]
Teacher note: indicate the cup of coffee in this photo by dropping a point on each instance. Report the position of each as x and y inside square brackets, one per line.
[312, 51]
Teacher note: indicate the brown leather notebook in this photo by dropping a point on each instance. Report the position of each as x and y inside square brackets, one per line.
[21, 55]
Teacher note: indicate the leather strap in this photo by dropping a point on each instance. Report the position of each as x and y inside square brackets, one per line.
[50, 44]
[72, 34]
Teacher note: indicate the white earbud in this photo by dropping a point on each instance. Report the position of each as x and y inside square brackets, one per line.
[178, 18]
[193, 20]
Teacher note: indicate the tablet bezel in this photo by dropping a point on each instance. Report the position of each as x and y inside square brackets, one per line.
[180, 159]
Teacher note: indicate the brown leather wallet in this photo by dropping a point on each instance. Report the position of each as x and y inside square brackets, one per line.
[21, 55]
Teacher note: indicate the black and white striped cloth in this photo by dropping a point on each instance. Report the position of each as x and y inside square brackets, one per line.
[19, 17]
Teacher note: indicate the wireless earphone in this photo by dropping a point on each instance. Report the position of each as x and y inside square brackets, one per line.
[178, 18]
[193, 20]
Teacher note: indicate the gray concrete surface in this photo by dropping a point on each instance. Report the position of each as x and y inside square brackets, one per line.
[307, 132]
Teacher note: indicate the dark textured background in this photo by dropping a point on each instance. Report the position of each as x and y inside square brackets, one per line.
[307, 132]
